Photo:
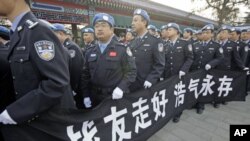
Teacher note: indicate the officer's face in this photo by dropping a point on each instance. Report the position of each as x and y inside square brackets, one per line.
[103, 31]
[138, 23]
[224, 34]
[129, 36]
[244, 36]
[151, 32]
[88, 37]
[60, 35]
[186, 35]
[6, 7]
[207, 35]
[200, 37]
[234, 36]
[164, 34]
[171, 32]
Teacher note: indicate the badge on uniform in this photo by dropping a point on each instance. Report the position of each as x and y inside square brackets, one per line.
[160, 47]
[72, 53]
[129, 52]
[45, 50]
[246, 48]
[112, 54]
[190, 48]
[221, 50]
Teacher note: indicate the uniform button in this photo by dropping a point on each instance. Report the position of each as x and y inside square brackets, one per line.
[9, 61]
[202, 52]
[21, 60]
[171, 63]
[171, 57]
[16, 93]
[201, 56]
[13, 77]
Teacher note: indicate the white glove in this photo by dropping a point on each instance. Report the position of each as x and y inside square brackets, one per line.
[248, 73]
[181, 73]
[87, 102]
[246, 69]
[147, 84]
[117, 93]
[208, 67]
[5, 118]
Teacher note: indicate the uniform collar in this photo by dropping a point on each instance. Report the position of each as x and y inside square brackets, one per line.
[141, 37]
[66, 42]
[174, 41]
[17, 21]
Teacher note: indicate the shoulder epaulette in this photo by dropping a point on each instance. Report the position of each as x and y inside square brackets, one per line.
[31, 24]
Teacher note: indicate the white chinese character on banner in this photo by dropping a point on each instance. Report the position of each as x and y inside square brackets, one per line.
[193, 87]
[140, 116]
[206, 85]
[118, 125]
[225, 86]
[157, 104]
[88, 132]
[179, 92]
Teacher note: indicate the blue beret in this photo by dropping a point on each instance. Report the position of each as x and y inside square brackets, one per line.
[174, 25]
[189, 30]
[164, 27]
[59, 27]
[4, 33]
[208, 27]
[198, 32]
[104, 17]
[87, 30]
[245, 30]
[143, 13]
[224, 27]
[152, 27]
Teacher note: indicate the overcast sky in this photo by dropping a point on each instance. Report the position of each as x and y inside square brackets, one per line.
[187, 5]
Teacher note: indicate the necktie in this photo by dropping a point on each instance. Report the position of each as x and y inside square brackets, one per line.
[102, 47]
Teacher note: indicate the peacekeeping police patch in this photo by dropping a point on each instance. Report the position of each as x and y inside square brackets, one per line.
[129, 52]
[45, 49]
[160, 47]
[221, 50]
[190, 48]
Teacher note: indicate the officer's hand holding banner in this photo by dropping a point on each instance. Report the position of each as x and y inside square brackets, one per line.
[181, 73]
[147, 84]
[208, 67]
[87, 102]
[117, 93]
[5, 118]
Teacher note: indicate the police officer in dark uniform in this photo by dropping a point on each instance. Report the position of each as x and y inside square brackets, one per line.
[110, 66]
[88, 38]
[151, 29]
[39, 72]
[164, 34]
[148, 51]
[207, 55]
[178, 54]
[230, 51]
[6, 84]
[76, 61]
[4, 36]
[231, 60]
[187, 35]
[130, 36]
[241, 46]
